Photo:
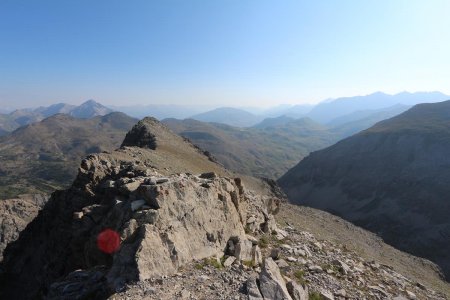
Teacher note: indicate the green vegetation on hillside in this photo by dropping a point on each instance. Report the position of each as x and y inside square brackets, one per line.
[44, 156]
[264, 152]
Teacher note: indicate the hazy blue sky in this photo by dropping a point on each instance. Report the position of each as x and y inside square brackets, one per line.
[230, 52]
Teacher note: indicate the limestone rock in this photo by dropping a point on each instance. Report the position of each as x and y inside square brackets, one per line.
[297, 291]
[256, 256]
[243, 249]
[326, 295]
[253, 292]
[229, 261]
[141, 135]
[272, 284]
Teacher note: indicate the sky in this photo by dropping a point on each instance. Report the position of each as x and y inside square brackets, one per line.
[229, 52]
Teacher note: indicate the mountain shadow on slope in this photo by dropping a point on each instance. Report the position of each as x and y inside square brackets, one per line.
[391, 179]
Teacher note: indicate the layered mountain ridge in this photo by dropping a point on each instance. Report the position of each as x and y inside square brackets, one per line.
[159, 219]
[21, 117]
[391, 179]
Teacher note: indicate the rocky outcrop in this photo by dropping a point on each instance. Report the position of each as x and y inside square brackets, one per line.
[15, 216]
[312, 273]
[162, 223]
[141, 135]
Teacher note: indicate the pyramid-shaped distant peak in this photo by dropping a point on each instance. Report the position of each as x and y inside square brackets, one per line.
[90, 109]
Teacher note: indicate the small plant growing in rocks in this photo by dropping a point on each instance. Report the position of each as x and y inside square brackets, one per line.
[315, 296]
[213, 262]
[248, 263]
[263, 242]
[299, 277]
[208, 262]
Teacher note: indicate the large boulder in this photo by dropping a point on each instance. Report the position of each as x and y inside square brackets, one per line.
[271, 282]
[163, 222]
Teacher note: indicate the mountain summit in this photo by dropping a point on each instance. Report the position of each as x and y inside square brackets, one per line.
[89, 109]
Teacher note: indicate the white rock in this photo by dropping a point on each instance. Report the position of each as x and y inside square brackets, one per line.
[272, 285]
[78, 215]
[282, 263]
[299, 252]
[256, 256]
[411, 295]
[286, 247]
[291, 259]
[326, 295]
[229, 261]
[252, 239]
[243, 250]
[251, 220]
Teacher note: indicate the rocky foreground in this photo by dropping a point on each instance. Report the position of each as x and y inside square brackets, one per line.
[180, 235]
[295, 265]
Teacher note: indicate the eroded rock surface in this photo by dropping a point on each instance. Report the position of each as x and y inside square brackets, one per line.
[164, 222]
[15, 216]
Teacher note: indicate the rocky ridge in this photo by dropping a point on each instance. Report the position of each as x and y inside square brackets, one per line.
[180, 235]
[164, 222]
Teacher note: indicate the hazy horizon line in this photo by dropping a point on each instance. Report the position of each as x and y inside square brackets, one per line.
[203, 105]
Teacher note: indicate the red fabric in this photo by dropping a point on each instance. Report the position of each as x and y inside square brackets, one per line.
[108, 241]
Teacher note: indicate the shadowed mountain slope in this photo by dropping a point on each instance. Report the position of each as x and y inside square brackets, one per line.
[391, 179]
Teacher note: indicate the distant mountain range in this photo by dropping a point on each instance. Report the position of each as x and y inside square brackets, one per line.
[162, 111]
[274, 145]
[264, 152]
[230, 116]
[326, 112]
[43, 156]
[392, 179]
[11, 121]
[330, 112]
